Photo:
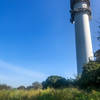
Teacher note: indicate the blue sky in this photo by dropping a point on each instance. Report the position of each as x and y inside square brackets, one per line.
[37, 40]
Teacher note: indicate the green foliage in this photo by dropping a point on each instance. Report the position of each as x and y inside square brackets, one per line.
[4, 87]
[97, 55]
[21, 88]
[55, 82]
[98, 38]
[90, 76]
[37, 85]
[90, 79]
[49, 94]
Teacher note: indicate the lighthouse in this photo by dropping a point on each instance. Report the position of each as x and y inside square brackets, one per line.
[80, 17]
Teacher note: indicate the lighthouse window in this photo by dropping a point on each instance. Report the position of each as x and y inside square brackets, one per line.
[84, 5]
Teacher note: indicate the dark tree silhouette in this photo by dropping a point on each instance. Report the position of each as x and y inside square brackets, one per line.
[56, 82]
[90, 76]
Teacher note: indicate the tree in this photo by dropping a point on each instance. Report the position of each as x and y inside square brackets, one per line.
[37, 85]
[98, 37]
[97, 55]
[4, 87]
[54, 82]
[90, 76]
[29, 87]
[21, 87]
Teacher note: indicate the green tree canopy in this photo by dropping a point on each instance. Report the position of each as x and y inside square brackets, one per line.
[55, 82]
[5, 87]
[90, 76]
[21, 88]
[37, 85]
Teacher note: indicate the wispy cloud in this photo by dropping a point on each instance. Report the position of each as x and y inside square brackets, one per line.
[19, 73]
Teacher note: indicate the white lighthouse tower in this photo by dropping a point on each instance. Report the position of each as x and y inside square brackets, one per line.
[80, 16]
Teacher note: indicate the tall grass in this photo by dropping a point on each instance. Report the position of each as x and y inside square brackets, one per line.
[49, 94]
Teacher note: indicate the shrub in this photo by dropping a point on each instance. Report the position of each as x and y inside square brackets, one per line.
[49, 94]
[21, 88]
[4, 87]
[57, 82]
[54, 82]
[90, 76]
[37, 85]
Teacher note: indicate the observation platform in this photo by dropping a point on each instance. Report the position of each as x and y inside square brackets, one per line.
[82, 9]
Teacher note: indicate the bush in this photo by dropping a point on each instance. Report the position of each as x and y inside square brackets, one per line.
[57, 82]
[90, 76]
[49, 94]
[37, 85]
[4, 87]
[21, 88]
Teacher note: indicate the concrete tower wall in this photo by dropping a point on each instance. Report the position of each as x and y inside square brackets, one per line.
[83, 36]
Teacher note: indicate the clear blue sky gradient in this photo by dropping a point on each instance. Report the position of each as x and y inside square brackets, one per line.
[37, 40]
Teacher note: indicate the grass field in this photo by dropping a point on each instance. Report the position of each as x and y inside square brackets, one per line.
[49, 94]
